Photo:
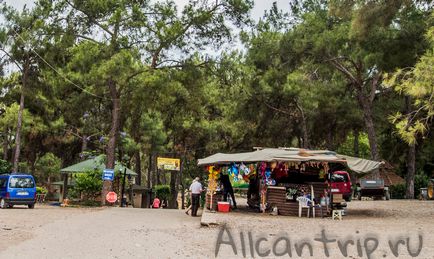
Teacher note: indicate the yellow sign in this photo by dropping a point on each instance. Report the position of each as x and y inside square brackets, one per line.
[169, 163]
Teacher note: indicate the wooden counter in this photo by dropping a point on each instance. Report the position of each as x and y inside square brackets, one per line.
[276, 197]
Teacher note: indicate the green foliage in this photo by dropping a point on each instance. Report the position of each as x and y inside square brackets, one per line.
[41, 190]
[421, 180]
[397, 191]
[48, 165]
[418, 84]
[347, 148]
[162, 192]
[304, 79]
[5, 167]
[89, 184]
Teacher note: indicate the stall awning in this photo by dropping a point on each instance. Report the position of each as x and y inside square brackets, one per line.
[96, 163]
[357, 165]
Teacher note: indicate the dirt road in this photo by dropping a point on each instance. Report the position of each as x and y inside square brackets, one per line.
[53, 232]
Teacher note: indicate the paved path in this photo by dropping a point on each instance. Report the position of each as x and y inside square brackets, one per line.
[109, 233]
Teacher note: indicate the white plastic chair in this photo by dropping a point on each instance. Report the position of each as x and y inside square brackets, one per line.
[303, 202]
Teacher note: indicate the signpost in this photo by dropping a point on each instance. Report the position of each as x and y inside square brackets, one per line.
[108, 175]
[171, 164]
[111, 197]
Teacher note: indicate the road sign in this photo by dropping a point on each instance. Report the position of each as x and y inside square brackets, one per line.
[169, 163]
[111, 197]
[108, 174]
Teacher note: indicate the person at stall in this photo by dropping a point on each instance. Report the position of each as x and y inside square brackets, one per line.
[196, 190]
[227, 188]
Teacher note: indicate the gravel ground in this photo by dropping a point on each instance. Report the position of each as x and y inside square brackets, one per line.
[53, 232]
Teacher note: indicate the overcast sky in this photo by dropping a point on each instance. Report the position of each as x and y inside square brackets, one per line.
[257, 12]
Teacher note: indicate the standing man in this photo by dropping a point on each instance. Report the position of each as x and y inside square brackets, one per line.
[196, 189]
[227, 188]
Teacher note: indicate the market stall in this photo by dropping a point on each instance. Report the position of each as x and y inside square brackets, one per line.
[277, 177]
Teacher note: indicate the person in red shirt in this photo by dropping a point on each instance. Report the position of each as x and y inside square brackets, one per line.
[156, 203]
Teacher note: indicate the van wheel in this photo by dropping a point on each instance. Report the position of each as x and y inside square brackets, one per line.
[3, 204]
[31, 206]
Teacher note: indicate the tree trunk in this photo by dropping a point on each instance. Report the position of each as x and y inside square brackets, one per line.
[411, 160]
[366, 106]
[150, 180]
[411, 171]
[83, 145]
[18, 132]
[306, 143]
[111, 146]
[173, 191]
[138, 167]
[329, 140]
[356, 142]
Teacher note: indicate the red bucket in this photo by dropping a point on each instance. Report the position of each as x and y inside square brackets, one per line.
[223, 206]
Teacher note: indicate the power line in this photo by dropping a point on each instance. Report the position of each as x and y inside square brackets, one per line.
[57, 72]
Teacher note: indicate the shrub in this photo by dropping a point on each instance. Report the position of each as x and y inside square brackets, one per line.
[397, 191]
[5, 167]
[88, 184]
[41, 190]
[162, 192]
[421, 180]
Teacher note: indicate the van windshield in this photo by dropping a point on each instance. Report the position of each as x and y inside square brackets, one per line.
[339, 178]
[21, 182]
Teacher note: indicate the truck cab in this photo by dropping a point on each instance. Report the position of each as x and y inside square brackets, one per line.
[17, 189]
[340, 182]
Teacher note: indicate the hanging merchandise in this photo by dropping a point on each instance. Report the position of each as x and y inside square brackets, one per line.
[234, 172]
[268, 173]
[281, 171]
[325, 165]
[322, 174]
[213, 173]
[252, 170]
[271, 182]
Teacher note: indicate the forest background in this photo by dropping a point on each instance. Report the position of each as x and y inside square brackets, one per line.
[137, 79]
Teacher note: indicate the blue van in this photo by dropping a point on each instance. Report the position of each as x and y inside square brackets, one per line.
[17, 189]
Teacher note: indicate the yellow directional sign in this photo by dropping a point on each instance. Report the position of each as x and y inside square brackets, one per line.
[169, 163]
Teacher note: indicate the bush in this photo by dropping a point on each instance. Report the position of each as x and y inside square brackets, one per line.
[88, 184]
[5, 167]
[41, 190]
[397, 191]
[421, 180]
[162, 192]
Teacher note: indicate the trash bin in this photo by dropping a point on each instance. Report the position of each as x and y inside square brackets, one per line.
[424, 193]
[142, 196]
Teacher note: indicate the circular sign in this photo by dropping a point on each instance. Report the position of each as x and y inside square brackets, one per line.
[111, 197]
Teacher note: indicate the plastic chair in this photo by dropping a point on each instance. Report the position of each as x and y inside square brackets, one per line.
[303, 202]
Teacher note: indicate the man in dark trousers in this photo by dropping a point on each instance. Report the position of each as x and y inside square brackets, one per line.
[196, 189]
[227, 188]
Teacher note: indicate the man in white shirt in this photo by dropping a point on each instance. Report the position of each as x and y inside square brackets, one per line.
[196, 190]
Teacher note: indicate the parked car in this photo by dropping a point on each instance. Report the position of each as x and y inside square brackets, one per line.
[341, 184]
[17, 189]
[373, 188]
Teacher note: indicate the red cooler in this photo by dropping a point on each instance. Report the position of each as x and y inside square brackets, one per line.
[223, 206]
